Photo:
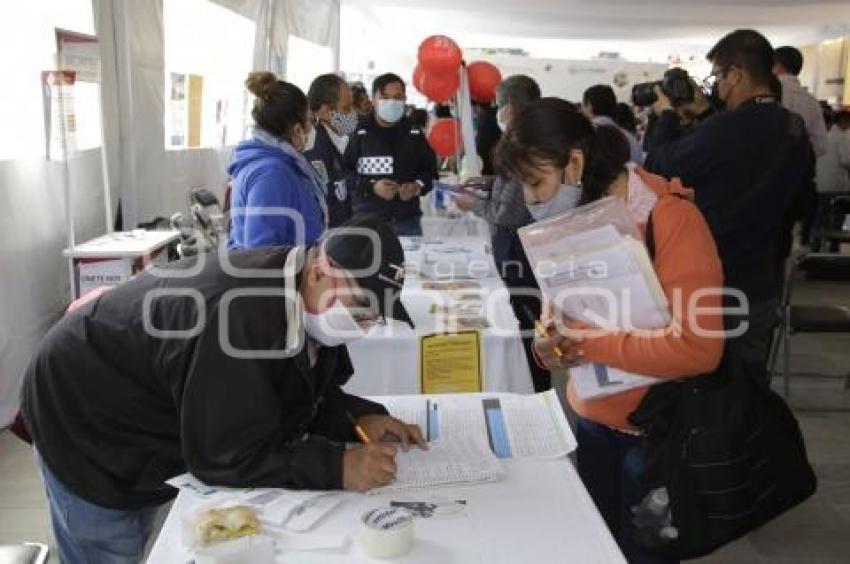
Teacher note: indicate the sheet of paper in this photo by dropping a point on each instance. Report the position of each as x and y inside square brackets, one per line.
[593, 380]
[280, 506]
[536, 426]
[459, 461]
[450, 363]
[457, 418]
[410, 409]
[608, 288]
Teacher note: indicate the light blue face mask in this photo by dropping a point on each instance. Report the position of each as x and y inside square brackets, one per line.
[565, 199]
[390, 111]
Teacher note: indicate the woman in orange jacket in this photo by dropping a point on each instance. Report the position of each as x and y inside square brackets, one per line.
[552, 151]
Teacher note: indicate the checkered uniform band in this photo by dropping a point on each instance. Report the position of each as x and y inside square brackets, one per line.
[375, 166]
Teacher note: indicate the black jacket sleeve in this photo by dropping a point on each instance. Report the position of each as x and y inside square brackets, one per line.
[331, 419]
[354, 181]
[232, 414]
[674, 155]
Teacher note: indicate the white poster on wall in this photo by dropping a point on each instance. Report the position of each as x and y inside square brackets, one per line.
[60, 119]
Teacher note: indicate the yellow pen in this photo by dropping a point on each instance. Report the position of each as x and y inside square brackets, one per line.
[358, 430]
[543, 333]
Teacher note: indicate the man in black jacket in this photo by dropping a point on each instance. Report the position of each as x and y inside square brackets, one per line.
[389, 161]
[227, 366]
[746, 166]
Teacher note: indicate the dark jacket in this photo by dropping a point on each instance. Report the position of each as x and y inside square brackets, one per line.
[327, 160]
[263, 176]
[115, 411]
[400, 153]
[746, 167]
[487, 136]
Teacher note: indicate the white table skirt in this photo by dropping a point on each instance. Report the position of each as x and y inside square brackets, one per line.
[386, 362]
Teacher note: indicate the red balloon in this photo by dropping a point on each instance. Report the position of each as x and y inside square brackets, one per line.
[444, 137]
[439, 54]
[437, 87]
[418, 75]
[484, 77]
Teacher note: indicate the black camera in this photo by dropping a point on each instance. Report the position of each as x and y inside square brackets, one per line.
[676, 84]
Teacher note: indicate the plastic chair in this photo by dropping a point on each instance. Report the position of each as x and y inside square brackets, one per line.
[811, 318]
[831, 229]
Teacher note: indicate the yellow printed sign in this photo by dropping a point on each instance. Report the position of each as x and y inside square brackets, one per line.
[450, 363]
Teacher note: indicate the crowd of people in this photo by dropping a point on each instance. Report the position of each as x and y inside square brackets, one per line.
[716, 186]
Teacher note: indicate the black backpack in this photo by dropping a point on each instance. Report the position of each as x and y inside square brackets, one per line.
[727, 449]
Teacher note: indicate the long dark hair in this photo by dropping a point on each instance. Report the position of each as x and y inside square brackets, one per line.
[279, 106]
[606, 153]
[548, 130]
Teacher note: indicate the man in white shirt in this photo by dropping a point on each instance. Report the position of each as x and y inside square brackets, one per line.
[788, 62]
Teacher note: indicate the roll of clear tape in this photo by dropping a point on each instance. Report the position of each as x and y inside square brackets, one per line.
[385, 532]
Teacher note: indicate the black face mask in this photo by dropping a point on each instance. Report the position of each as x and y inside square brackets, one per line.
[714, 98]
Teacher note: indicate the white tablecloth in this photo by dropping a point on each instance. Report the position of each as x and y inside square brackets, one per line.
[386, 362]
[463, 225]
[539, 514]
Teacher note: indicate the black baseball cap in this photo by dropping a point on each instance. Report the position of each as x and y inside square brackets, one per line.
[367, 247]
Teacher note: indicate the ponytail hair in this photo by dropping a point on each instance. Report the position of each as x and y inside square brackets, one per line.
[606, 153]
[279, 106]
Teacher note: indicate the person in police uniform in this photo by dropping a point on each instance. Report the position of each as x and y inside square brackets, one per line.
[389, 161]
[334, 120]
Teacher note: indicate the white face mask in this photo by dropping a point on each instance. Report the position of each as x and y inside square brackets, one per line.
[564, 199]
[344, 124]
[333, 327]
[390, 111]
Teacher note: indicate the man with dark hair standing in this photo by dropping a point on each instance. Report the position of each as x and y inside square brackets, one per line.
[746, 165]
[389, 161]
[788, 62]
[505, 209]
[599, 103]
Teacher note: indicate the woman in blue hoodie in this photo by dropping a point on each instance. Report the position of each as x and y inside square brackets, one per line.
[278, 198]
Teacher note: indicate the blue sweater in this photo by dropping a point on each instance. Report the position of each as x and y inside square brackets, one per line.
[264, 176]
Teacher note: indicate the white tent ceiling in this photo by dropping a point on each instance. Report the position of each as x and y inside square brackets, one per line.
[676, 21]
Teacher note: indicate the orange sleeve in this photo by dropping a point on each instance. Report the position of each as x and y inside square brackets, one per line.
[686, 263]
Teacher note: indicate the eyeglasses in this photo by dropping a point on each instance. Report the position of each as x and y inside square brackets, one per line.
[711, 80]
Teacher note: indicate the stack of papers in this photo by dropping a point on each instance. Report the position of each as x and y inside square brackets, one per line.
[592, 266]
[446, 463]
[293, 510]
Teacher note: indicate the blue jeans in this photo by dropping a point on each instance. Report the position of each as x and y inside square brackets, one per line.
[90, 534]
[610, 464]
[410, 227]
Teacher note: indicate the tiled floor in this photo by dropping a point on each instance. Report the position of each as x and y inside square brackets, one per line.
[818, 532]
